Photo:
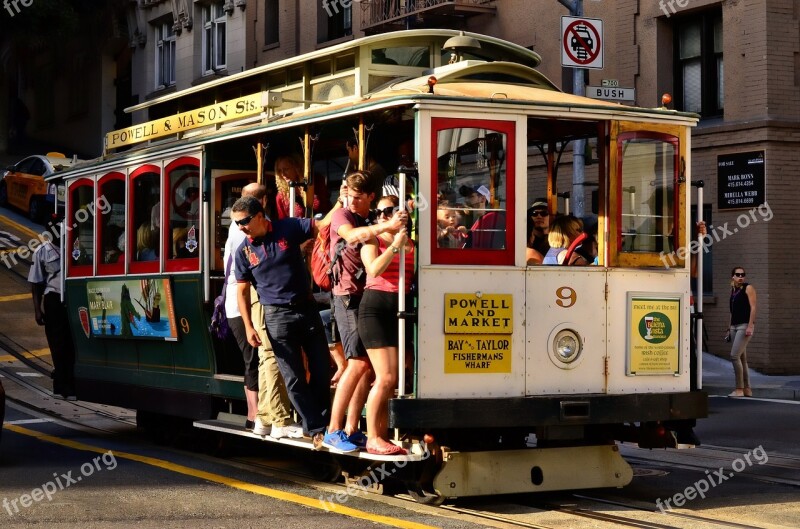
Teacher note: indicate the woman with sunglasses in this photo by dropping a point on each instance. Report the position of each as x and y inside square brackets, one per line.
[742, 325]
[377, 319]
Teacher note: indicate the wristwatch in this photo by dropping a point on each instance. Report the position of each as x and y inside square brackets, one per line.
[395, 249]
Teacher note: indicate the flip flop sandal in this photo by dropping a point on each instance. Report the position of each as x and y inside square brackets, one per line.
[387, 450]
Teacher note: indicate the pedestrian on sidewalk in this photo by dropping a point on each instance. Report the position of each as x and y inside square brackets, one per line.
[742, 325]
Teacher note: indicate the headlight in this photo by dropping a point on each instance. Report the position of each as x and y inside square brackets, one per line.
[567, 346]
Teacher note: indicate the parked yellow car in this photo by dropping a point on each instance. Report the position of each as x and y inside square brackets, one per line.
[23, 185]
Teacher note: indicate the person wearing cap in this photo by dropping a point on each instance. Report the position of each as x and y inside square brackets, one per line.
[489, 229]
[538, 227]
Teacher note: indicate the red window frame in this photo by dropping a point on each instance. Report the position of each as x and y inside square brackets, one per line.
[139, 267]
[190, 264]
[649, 135]
[105, 269]
[71, 226]
[474, 256]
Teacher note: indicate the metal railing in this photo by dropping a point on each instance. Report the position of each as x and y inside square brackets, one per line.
[378, 11]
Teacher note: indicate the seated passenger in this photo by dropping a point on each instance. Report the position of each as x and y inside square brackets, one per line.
[489, 229]
[179, 240]
[145, 249]
[538, 227]
[289, 169]
[450, 234]
[564, 230]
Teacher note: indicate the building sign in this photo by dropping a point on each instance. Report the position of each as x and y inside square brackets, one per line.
[201, 117]
[611, 93]
[654, 334]
[477, 333]
[582, 42]
[131, 308]
[740, 180]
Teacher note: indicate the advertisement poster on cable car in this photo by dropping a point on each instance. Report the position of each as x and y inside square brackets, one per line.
[131, 308]
[654, 334]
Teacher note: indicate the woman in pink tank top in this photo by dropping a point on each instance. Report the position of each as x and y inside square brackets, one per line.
[377, 319]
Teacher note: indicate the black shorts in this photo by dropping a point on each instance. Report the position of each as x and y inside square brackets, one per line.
[377, 319]
[249, 353]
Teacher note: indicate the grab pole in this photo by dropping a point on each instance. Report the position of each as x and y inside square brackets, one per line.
[401, 300]
[699, 286]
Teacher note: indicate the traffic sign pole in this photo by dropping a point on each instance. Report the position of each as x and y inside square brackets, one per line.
[578, 147]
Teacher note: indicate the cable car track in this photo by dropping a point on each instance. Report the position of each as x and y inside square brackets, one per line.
[294, 473]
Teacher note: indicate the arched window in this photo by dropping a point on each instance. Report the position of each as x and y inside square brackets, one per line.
[110, 214]
[181, 230]
[144, 237]
[79, 225]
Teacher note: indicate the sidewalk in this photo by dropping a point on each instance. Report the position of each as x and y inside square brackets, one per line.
[718, 380]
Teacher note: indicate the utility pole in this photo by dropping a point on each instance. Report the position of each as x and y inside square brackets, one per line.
[578, 146]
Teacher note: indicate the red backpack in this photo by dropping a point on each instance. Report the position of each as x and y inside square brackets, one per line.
[322, 264]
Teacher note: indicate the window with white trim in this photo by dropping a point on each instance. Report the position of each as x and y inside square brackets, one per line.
[213, 38]
[165, 55]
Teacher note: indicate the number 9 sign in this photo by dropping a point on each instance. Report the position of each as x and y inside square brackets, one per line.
[567, 297]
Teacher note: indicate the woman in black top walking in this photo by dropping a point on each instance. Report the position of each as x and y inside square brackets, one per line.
[743, 318]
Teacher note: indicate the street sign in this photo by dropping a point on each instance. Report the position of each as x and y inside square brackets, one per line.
[614, 94]
[582, 42]
[609, 82]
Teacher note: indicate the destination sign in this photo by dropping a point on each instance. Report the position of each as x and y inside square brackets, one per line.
[200, 117]
[466, 353]
[470, 314]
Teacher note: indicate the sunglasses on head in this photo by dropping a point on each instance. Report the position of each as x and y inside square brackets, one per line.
[245, 221]
[739, 274]
[387, 211]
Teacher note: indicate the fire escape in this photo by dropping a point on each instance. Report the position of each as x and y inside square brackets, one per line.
[379, 16]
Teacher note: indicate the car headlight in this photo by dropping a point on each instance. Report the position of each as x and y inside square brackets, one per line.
[567, 346]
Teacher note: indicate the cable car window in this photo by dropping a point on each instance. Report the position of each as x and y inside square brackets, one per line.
[182, 214]
[472, 192]
[80, 249]
[111, 224]
[145, 227]
[648, 177]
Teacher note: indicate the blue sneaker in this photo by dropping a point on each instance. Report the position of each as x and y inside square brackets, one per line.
[358, 438]
[337, 440]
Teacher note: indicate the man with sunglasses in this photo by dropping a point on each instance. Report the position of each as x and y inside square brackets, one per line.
[270, 258]
[538, 228]
[353, 225]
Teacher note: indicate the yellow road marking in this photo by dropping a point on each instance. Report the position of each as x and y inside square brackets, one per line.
[15, 297]
[222, 480]
[33, 354]
[20, 227]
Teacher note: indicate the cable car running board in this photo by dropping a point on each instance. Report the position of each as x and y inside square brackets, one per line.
[416, 452]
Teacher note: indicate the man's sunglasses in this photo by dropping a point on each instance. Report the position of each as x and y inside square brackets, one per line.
[539, 213]
[387, 211]
[245, 221]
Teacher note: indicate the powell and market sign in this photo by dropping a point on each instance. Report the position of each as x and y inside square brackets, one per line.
[200, 117]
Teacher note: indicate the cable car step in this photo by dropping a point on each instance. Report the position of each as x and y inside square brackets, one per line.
[416, 451]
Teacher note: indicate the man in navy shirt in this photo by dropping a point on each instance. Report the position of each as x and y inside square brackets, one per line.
[271, 259]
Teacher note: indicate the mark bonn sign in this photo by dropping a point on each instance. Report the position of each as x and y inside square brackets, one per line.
[740, 180]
